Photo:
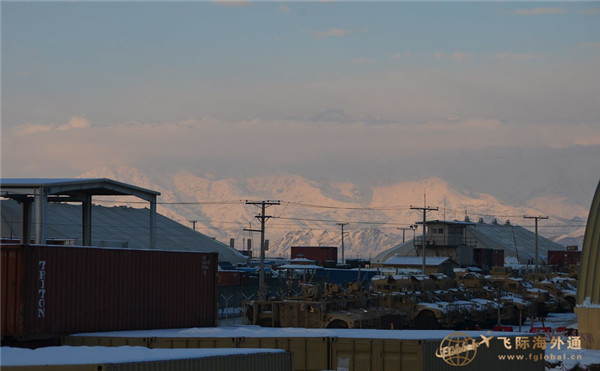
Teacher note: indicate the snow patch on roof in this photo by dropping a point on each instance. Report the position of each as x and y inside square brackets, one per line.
[415, 260]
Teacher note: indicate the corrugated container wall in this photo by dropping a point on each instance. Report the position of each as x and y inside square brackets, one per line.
[229, 278]
[497, 356]
[279, 361]
[321, 254]
[48, 291]
[564, 258]
[487, 258]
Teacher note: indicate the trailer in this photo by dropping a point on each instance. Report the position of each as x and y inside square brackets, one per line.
[49, 291]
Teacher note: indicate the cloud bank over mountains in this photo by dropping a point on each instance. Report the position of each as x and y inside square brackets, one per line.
[240, 99]
[513, 162]
[310, 210]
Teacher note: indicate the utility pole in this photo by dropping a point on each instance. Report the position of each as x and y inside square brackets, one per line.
[193, 224]
[424, 209]
[404, 229]
[536, 218]
[263, 218]
[342, 225]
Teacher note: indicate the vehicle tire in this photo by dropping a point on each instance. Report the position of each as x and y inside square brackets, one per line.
[541, 310]
[426, 321]
[250, 314]
[265, 322]
[337, 323]
[571, 302]
[513, 319]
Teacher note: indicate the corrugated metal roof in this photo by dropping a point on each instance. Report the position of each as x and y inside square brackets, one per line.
[447, 222]
[403, 249]
[36, 181]
[67, 185]
[117, 226]
[416, 260]
[491, 236]
[512, 239]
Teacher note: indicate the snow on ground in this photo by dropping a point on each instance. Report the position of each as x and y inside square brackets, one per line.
[569, 358]
[557, 359]
[555, 320]
[231, 321]
[257, 331]
[563, 358]
[69, 355]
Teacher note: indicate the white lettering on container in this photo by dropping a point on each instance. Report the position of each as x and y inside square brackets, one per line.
[42, 289]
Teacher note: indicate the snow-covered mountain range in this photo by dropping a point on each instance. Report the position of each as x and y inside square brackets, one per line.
[309, 211]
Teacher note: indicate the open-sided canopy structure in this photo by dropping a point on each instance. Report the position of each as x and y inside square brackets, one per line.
[41, 191]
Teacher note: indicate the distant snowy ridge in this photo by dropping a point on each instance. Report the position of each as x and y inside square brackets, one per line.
[310, 210]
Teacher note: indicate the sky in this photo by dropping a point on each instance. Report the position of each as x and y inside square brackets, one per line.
[501, 97]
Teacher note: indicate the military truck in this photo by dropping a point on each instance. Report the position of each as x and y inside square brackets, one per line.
[506, 293]
[564, 297]
[524, 289]
[330, 308]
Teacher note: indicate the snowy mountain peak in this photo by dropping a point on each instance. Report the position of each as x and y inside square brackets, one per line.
[309, 211]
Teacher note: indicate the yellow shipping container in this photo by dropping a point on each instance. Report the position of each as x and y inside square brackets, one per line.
[310, 353]
[376, 354]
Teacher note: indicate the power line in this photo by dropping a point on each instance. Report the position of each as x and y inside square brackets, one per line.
[173, 203]
[536, 218]
[263, 218]
[346, 207]
[424, 209]
[334, 221]
[307, 205]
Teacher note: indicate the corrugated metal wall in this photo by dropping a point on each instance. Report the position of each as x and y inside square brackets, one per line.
[280, 361]
[246, 362]
[76, 289]
[589, 274]
[376, 354]
[12, 276]
[360, 354]
[588, 286]
[488, 358]
[310, 353]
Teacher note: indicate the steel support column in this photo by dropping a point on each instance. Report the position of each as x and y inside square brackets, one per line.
[41, 201]
[153, 223]
[86, 220]
[26, 222]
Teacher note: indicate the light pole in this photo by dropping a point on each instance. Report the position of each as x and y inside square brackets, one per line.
[414, 227]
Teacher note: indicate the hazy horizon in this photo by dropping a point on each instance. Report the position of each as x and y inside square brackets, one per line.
[501, 98]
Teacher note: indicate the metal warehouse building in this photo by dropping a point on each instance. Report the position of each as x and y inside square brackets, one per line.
[459, 239]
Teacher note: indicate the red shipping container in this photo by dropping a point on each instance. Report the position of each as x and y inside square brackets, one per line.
[49, 291]
[320, 254]
[498, 258]
[229, 278]
[488, 257]
[563, 258]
